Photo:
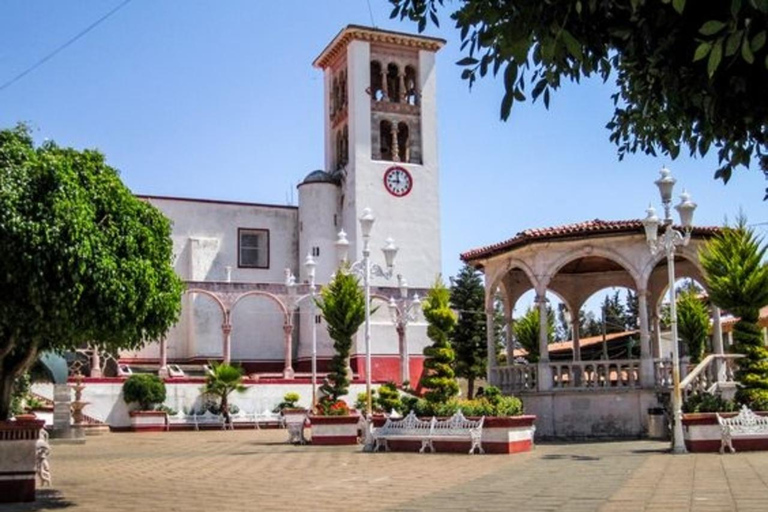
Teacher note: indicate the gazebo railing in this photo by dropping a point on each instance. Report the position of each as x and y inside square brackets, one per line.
[614, 373]
[515, 378]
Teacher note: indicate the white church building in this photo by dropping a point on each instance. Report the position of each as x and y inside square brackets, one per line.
[239, 259]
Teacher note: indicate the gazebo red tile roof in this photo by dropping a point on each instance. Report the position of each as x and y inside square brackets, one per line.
[595, 227]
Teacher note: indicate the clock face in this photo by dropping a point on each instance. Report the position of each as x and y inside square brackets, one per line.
[398, 181]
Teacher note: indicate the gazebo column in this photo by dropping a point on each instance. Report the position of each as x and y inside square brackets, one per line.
[544, 370]
[490, 341]
[510, 321]
[717, 343]
[288, 339]
[647, 378]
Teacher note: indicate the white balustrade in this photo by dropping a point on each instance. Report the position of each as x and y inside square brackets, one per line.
[616, 373]
[713, 371]
[514, 378]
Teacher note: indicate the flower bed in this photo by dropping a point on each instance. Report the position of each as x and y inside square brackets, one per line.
[334, 430]
[148, 421]
[18, 440]
[701, 433]
[501, 434]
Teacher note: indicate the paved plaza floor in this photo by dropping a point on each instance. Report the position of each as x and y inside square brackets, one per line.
[256, 470]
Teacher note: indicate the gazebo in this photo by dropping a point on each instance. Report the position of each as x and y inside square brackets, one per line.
[578, 398]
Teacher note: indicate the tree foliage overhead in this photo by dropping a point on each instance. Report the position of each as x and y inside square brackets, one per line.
[84, 260]
[690, 75]
[438, 378]
[736, 274]
[469, 336]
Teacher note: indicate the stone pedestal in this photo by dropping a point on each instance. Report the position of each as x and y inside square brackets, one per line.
[18, 441]
[62, 411]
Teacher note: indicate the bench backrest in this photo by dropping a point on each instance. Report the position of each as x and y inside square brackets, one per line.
[408, 425]
[457, 424]
[745, 422]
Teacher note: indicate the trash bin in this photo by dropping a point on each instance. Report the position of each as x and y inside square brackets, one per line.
[658, 427]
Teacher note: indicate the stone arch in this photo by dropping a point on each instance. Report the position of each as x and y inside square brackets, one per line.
[377, 85]
[386, 143]
[393, 82]
[258, 293]
[589, 250]
[224, 309]
[496, 277]
[687, 252]
[403, 142]
[411, 86]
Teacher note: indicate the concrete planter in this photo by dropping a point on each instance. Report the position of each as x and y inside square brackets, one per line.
[148, 421]
[501, 434]
[701, 433]
[334, 430]
[18, 440]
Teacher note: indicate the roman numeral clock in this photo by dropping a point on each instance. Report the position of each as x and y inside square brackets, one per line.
[398, 181]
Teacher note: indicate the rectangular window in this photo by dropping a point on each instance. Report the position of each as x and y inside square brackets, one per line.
[253, 248]
[315, 252]
[318, 319]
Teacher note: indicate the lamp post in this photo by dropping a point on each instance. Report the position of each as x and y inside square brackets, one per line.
[309, 265]
[366, 269]
[403, 311]
[669, 240]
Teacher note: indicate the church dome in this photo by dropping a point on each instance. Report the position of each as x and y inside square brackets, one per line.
[320, 177]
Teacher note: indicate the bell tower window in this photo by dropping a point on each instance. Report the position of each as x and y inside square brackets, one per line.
[403, 143]
[393, 83]
[385, 138]
[377, 82]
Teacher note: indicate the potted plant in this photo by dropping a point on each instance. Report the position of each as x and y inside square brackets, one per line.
[342, 304]
[221, 381]
[147, 392]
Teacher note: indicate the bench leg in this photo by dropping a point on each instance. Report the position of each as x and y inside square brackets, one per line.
[476, 444]
[726, 440]
[424, 444]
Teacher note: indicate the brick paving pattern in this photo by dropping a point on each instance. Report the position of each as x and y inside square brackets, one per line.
[256, 470]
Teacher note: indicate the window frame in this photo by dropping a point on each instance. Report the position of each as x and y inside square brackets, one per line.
[240, 263]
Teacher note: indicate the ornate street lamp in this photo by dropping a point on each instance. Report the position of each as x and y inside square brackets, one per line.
[309, 265]
[403, 311]
[669, 240]
[366, 269]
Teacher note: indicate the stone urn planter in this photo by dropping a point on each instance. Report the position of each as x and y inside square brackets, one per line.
[148, 421]
[334, 430]
[501, 434]
[294, 420]
[701, 433]
[18, 440]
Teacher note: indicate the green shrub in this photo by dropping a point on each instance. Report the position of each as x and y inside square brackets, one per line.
[290, 401]
[389, 398]
[362, 401]
[707, 402]
[438, 380]
[144, 389]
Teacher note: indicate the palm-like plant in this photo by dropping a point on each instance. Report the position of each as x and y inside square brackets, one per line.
[737, 280]
[692, 323]
[222, 380]
[342, 304]
[527, 328]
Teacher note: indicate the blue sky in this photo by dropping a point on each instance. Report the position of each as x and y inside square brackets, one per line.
[219, 100]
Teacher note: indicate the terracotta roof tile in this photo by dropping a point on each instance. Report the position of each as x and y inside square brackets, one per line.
[580, 229]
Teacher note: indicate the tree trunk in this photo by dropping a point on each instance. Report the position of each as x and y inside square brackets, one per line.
[6, 390]
[470, 387]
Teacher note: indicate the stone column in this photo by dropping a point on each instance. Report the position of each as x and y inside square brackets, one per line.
[510, 321]
[288, 339]
[646, 356]
[163, 371]
[395, 144]
[717, 343]
[576, 334]
[490, 344]
[657, 336]
[96, 363]
[401, 79]
[226, 329]
[404, 358]
[544, 370]
[62, 410]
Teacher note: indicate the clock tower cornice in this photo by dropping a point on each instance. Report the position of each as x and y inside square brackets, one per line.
[357, 32]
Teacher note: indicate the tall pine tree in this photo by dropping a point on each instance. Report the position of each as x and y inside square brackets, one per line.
[469, 336]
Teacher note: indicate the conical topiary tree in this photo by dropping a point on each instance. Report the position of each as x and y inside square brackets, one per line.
[692, 324]
[737, 280]
[439, 380]
[342, 304]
